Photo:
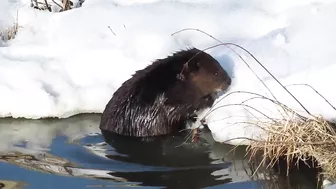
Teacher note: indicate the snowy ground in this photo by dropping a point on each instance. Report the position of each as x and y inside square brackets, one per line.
[62, 64]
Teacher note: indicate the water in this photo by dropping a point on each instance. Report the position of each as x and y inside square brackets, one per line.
[71, 153]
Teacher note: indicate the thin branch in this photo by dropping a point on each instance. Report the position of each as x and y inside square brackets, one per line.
[226, 105]
[281, 142]
[284, 107]
[46, 3]
[303, 84]
[58, 5]
[111, 30]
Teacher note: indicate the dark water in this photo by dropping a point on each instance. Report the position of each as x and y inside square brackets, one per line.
[71, 153]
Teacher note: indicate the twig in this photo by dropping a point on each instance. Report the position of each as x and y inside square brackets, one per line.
[58, 5]
[46, 3]
[261, 96]
[281, 142]
[315, 92]
[111, 30]
[188, 136]
[225, 105]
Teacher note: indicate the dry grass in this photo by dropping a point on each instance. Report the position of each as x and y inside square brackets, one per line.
[63, 5]
[301, 139]
[9, 33]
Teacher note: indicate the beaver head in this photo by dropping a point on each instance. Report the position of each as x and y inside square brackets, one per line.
[206, 74]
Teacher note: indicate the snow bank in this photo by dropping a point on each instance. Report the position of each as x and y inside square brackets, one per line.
[62, 64]
[301, 52]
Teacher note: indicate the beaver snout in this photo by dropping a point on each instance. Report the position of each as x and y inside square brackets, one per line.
[225, 85]
[221, 88]
[229, 81]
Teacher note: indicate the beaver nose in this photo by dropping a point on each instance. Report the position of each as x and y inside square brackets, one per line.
[229, 81]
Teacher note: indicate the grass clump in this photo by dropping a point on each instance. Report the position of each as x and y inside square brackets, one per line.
[9, 33]
[56, 5]
[299, 139]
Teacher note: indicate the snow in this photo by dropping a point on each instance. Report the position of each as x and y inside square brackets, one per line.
[67, 63]
[6, 14]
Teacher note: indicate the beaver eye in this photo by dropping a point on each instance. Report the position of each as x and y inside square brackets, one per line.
[216, 73]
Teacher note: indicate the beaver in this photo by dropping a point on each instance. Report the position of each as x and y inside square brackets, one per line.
[162, 97]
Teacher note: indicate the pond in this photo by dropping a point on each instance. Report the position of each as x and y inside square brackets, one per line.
[71, 153]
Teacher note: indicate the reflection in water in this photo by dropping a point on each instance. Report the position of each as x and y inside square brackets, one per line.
[54, 165]
[182, 164]
[74, 147]
[9, 184]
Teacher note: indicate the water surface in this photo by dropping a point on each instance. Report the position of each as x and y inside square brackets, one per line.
[71, 153]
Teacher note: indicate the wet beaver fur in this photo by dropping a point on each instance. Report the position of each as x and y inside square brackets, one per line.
[161, 98]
